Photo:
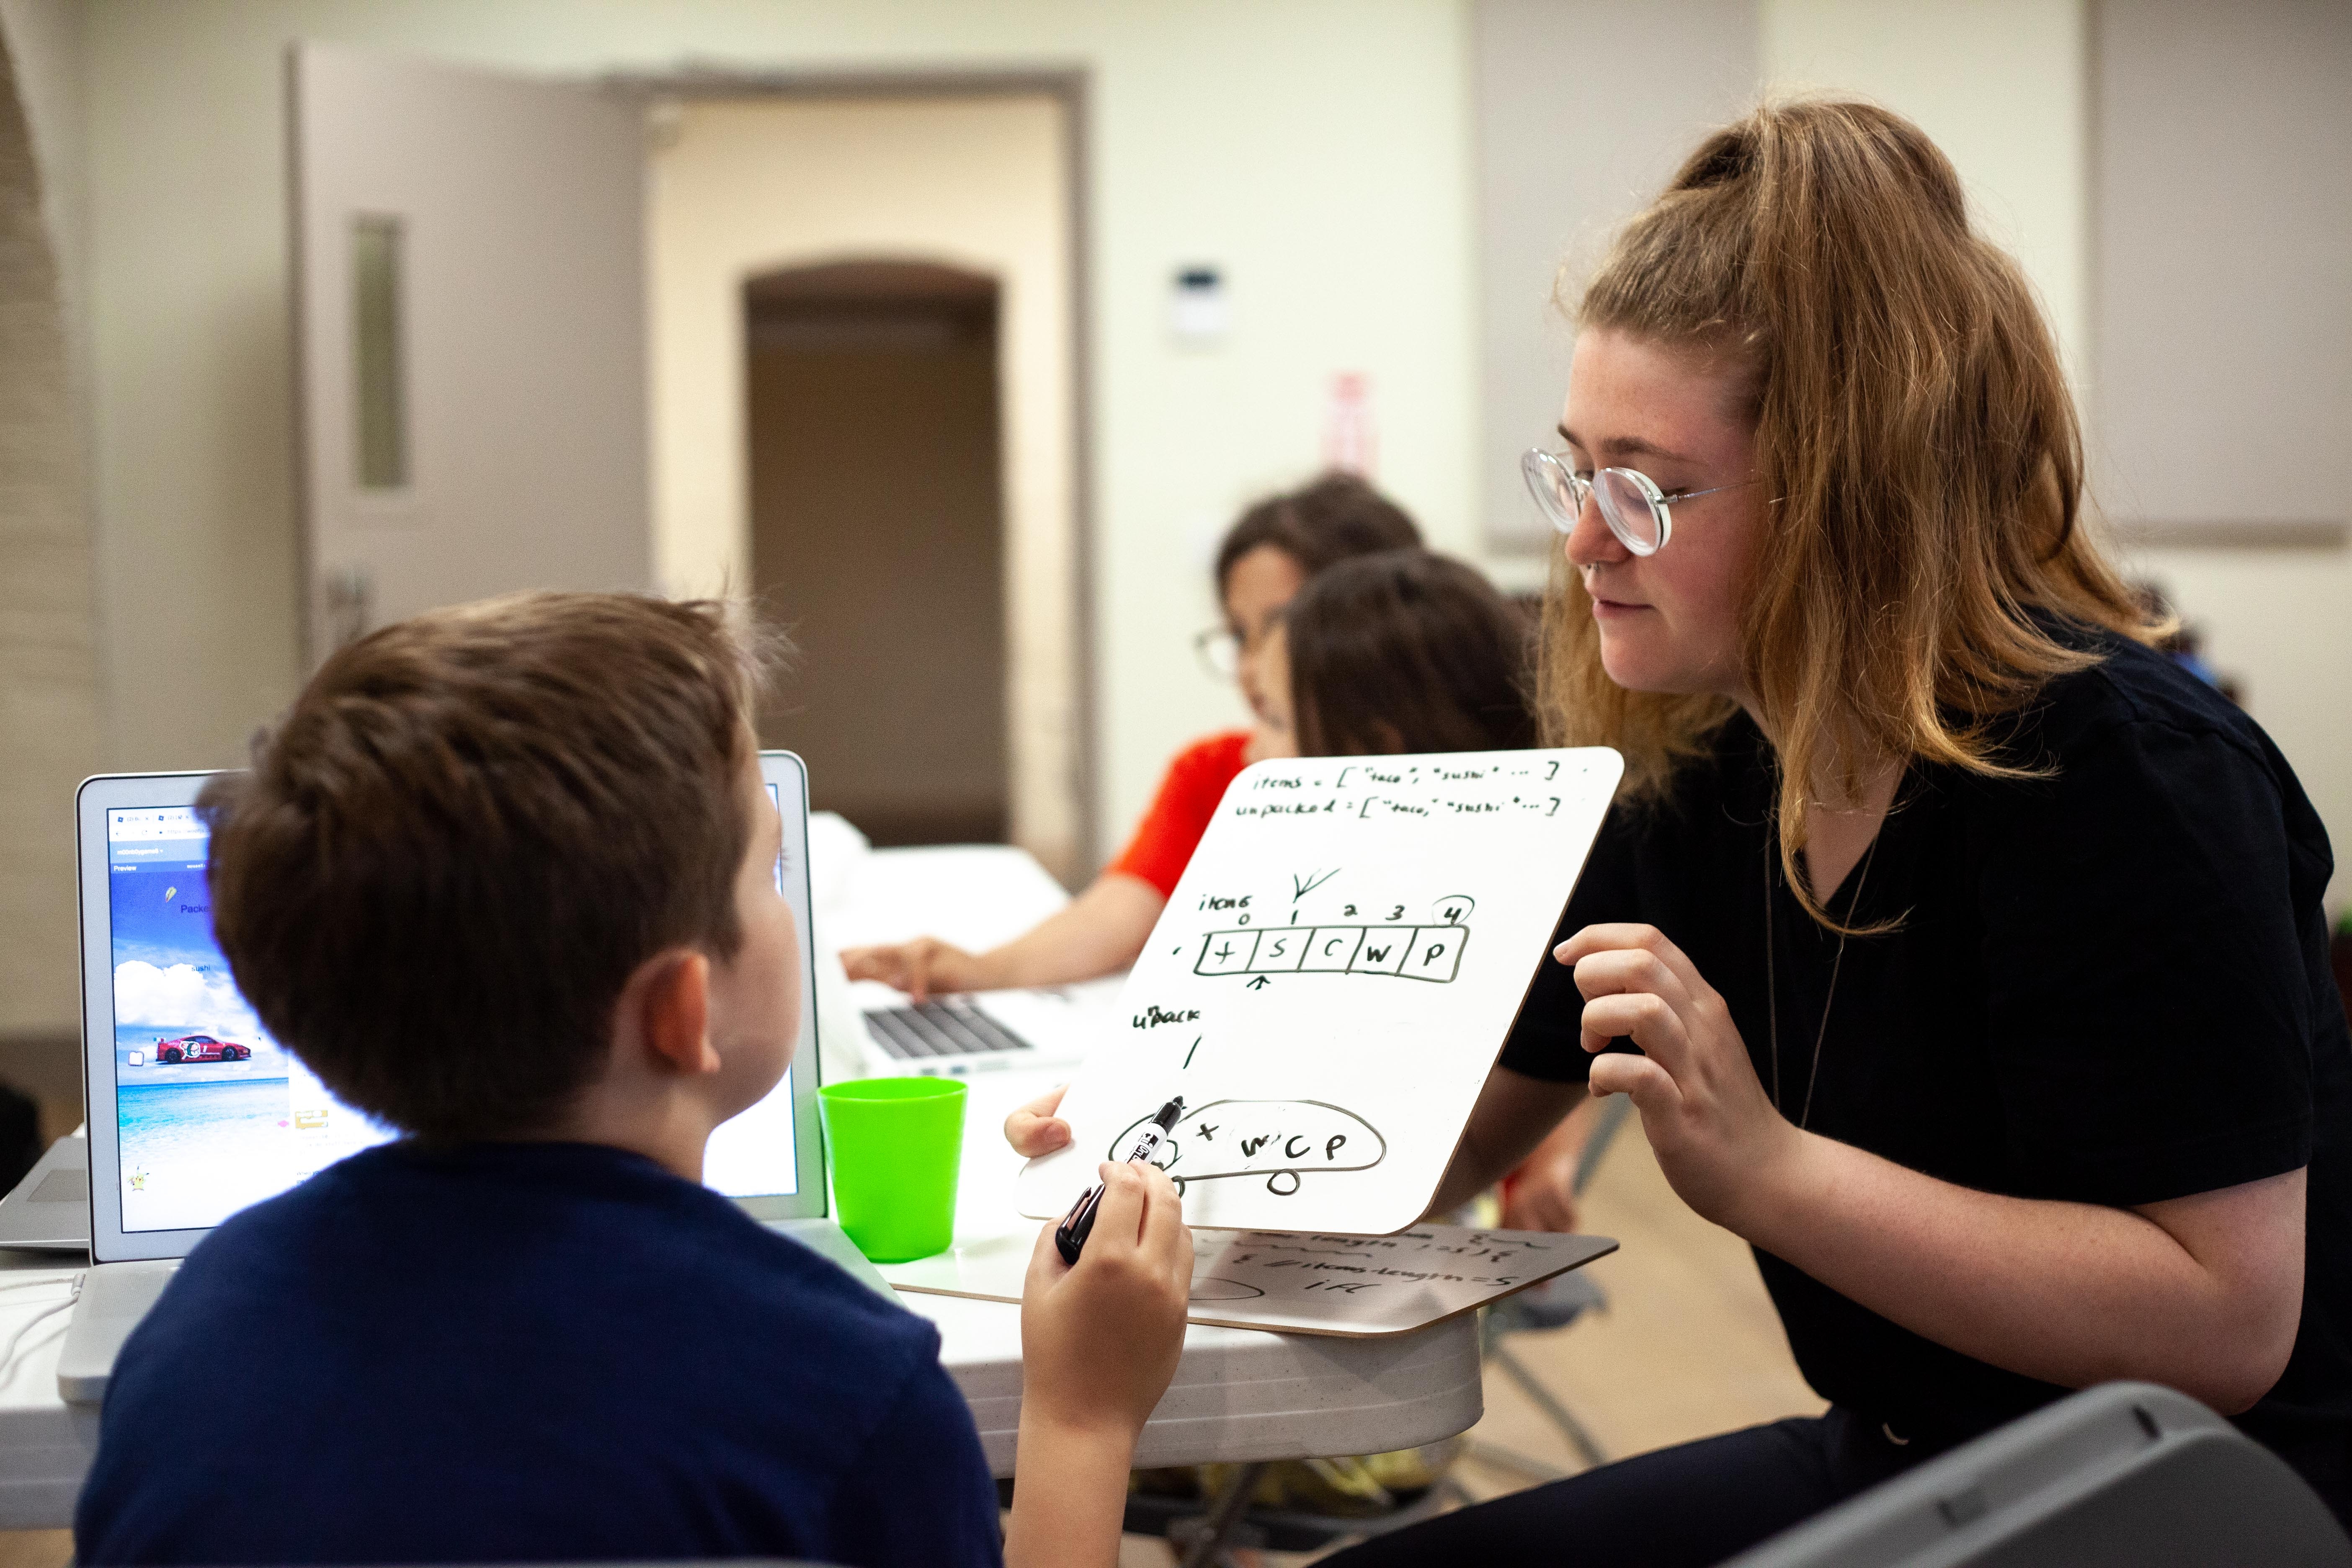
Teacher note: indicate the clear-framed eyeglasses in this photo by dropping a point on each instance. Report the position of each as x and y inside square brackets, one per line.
[1220, 651]
[1637, 512]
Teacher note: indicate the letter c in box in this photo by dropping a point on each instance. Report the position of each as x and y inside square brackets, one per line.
[1333, 947]
[1435, 953]
[1226, 953]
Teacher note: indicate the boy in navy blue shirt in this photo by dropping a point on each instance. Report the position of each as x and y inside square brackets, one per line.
[503, 878]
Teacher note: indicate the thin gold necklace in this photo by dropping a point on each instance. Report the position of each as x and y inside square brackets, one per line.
[1772, 981]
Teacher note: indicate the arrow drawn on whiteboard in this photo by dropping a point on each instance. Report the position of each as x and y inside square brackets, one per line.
[1302, 886]
[1260, 984]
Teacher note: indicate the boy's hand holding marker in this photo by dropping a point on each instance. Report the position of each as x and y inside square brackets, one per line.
[1099, 1342]
[1070, 1235]
[1100, 1337]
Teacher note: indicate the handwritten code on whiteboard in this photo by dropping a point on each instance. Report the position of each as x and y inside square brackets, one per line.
[1301, 1282]
[1331, 982]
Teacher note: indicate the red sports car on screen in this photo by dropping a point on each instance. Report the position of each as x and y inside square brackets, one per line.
[200, 1048]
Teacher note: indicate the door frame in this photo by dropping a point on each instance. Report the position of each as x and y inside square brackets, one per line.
[1071, 86]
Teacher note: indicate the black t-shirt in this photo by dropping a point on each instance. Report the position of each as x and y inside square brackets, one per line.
[2110, 984]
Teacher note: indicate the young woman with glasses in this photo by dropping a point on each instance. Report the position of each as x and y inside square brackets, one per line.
[1266, 557]
[1959, 950]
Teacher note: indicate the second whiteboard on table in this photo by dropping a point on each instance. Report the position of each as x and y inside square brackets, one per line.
[1331, 980]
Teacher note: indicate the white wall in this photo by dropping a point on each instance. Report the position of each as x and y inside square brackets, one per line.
[2003, 86]
[1317, 150]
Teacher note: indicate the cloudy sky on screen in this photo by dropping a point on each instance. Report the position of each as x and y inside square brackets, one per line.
[168, 977]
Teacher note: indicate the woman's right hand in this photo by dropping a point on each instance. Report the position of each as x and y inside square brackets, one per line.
[1035, 1129]
[919, 967]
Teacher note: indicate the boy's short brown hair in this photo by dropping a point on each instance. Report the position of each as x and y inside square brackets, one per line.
[468, 831]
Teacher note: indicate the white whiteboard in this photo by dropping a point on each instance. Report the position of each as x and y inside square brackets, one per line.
[1331, 981]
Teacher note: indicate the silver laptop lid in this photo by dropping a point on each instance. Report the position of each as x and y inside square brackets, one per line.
[770, 1159]
[194, 1111]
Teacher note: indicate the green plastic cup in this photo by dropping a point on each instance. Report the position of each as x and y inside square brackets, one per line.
[895, 1144]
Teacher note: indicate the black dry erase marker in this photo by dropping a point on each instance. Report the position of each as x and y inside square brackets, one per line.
[1070, 1235]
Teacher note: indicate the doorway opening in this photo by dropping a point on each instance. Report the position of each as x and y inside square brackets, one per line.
[877, 538]
[807, 191]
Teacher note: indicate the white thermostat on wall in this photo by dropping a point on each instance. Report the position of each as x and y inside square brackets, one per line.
[1197, 309]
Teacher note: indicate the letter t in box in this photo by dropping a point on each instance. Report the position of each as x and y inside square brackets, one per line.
[1226, 953]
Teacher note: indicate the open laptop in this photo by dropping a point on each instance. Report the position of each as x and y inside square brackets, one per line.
[957, 1035]
[196, 1112]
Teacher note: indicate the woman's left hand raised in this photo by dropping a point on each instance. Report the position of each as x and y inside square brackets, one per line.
[1716, 1133]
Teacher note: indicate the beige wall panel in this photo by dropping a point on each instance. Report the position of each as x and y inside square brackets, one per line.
[1565, 154]
[49, 688]
[2000, 85]
[2222, 207]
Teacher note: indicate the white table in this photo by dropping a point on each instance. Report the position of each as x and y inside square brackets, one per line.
[1238, 1394]
[45, 1444]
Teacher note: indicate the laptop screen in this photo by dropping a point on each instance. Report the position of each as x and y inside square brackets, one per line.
[752, 1155]
[212, 1115]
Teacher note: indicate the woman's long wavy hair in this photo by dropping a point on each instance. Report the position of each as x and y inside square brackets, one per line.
[1914, 423]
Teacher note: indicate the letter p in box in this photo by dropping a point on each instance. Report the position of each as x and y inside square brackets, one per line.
[1435, 953]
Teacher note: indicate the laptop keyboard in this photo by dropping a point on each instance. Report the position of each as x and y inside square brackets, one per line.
[954, 1028]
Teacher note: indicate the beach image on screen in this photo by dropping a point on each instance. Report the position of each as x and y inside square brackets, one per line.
[212, 1115]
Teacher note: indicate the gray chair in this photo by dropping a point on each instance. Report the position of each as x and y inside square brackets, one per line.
[2119, 1476]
